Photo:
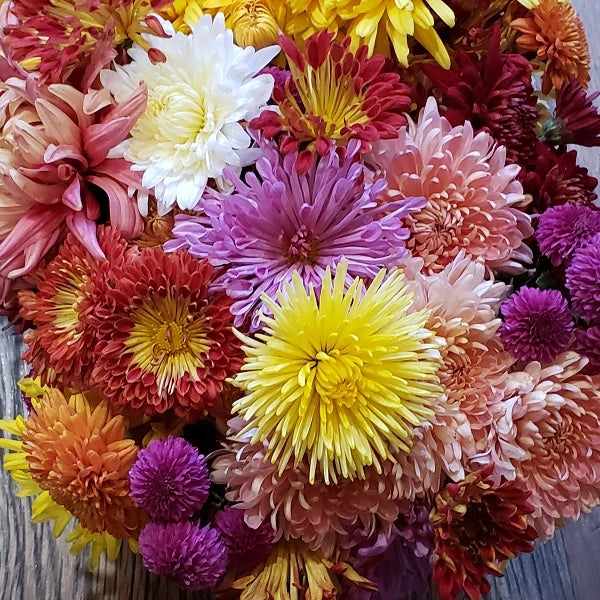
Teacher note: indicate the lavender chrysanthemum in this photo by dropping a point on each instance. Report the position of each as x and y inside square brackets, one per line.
[192, 557]
[587, 344]
[583, 281]
[247, 547]
[284, 222]
[537, 324]
[564, 229]
[170, 480]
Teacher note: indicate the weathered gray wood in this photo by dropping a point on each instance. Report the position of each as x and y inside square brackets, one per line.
[33, 565]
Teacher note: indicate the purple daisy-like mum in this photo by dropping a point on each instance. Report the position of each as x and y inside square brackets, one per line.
[583, 281]
[283, 222]
[247, 547]
[170, 480]
[587, 343]
[193, 558]
[537, 324]
[565, 229]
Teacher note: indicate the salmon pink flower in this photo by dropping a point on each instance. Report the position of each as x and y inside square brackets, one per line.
[57, 173]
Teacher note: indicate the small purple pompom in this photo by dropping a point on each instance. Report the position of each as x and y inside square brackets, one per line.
[170, 480]
[247, 547]
[564, 229]
[537, 324]
[583, 281]
[192, 557]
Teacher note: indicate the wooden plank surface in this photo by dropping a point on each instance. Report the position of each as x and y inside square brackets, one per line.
[33, 565]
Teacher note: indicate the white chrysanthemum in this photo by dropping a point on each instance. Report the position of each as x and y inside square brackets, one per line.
[197, 98]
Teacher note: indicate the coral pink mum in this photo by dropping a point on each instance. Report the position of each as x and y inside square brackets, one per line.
[323, 516]
[57, 172]
[548, 431]
[473, 198]
[463, 307]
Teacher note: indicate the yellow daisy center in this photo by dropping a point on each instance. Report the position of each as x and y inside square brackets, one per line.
[167, 340]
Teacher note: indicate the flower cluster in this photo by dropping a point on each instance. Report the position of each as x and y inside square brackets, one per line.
[310, 290]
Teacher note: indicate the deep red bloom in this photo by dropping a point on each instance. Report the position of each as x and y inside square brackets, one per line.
[164, 341]
[557, 179]
[576, 119]
[334, 95]
[60, 345]
[477, 527]
[495, 94]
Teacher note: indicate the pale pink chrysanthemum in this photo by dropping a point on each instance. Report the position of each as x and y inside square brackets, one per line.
[56, 171]
[473, 196]
[463, 307]
[548, 431]
[323, 516]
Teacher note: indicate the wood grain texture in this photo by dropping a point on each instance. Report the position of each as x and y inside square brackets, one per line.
[33, 565]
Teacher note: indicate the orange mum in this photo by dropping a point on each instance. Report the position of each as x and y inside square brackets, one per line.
[79, 454]
[555, 32]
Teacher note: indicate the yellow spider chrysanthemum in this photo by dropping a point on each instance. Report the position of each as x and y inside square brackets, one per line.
[341, 379]
[43, 507]
[370, 20]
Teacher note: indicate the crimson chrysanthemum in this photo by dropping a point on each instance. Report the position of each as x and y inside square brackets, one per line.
[61, 343]
[478, 526]
[333, 96]
[77, 450]
[60, 38]
[556, 34]
[576, 119]
[494, 93]
[168, 342]
[556, 178]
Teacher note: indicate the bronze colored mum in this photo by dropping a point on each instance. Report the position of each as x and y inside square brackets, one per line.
[77, 451]
[556, 34]
[168, 343]
[477, 527]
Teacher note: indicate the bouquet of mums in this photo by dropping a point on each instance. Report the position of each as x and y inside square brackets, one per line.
[310, 289]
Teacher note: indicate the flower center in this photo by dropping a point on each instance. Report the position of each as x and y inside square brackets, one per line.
[167, 340]
[301, 248]
[66, 305]
[338, 381]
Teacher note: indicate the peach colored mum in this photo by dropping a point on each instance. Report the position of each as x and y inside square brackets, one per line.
[473, 196]
[323, 516]
[463, 308]
[548, 430]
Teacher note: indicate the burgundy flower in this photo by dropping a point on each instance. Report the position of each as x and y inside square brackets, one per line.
[477, 527]
[495, 94]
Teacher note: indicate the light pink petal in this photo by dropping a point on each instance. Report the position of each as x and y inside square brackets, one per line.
[41, 193]
[124, 213]
[64, 152]
[72, 195]
[120, 169]
[31, 238]
[57, 124]
[101, 56]
[85, 231]
[133, 107]
[99, 139]
[96, 100]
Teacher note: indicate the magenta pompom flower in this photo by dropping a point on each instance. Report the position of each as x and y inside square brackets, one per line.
[583, 281]
[587, 343]
[285, 222]
[170, 480]
[537, 324]
[564, 229]
[192, 557]
[247, 547]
